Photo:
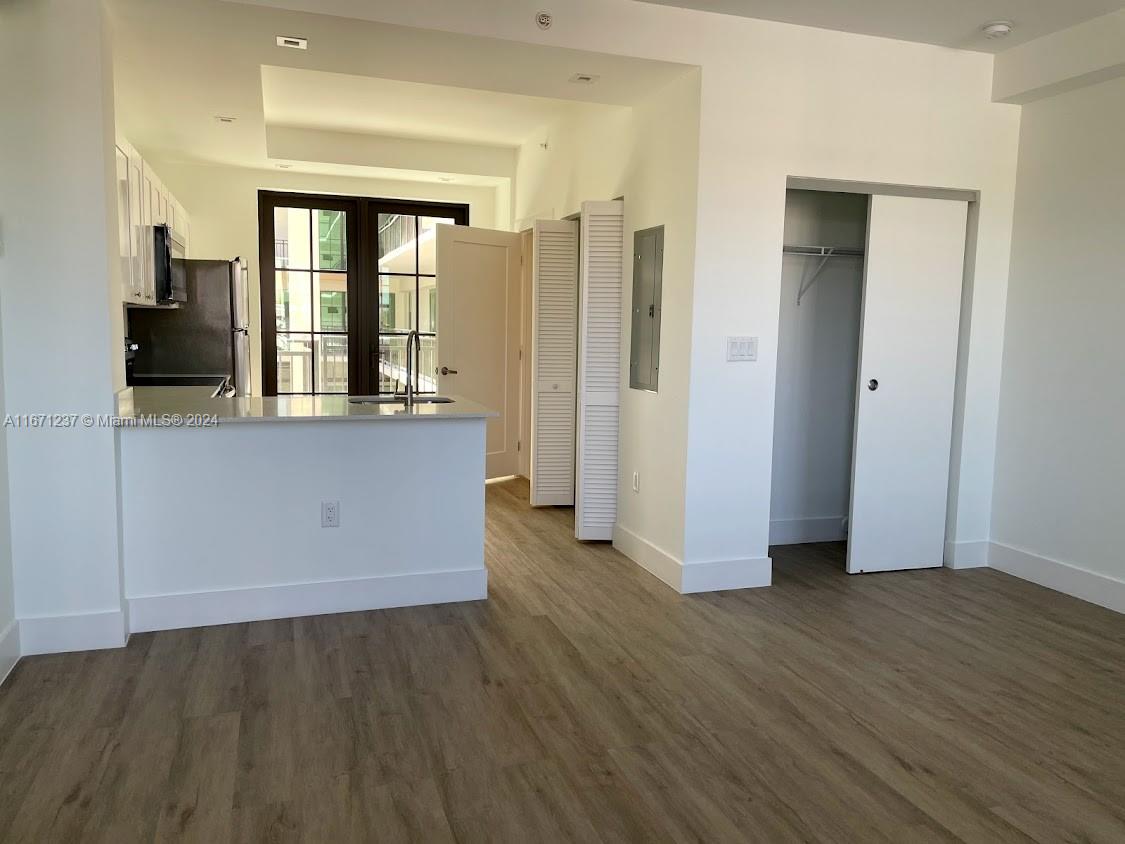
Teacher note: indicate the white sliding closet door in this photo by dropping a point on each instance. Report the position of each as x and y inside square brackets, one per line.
[599, 368]
[907, 370]
[554, 338]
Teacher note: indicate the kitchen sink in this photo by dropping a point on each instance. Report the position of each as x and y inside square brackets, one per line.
[399, 400]
[375, 400]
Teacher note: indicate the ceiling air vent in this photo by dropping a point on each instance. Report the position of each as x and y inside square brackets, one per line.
[293, 43]
[585, 78]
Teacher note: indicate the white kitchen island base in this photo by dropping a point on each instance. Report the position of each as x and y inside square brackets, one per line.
[223, 524]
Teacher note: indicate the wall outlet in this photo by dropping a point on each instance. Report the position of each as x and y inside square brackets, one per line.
[636, 482]
[329, 513]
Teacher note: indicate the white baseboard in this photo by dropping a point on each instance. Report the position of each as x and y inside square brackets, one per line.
[1100, 589]
[687, 578]
[966, 555]
[229, 606]
[717, 575]
[796, 531]
[653, 559]
[52, 634]
[9, 649]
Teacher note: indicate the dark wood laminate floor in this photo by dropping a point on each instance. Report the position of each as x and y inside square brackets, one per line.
[586, 701]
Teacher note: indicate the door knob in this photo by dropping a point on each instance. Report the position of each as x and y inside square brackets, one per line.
[873, 385]
[445, 370]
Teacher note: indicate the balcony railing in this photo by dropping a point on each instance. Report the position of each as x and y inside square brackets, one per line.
[392, 364]
[396, 231]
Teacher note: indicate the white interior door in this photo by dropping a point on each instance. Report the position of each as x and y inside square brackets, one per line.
[907, 370]
[601, 248]
[554, 352]
[478, 331]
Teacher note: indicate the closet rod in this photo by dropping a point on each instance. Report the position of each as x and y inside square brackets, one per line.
[824, 253]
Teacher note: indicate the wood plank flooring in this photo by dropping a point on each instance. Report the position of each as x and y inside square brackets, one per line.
[586, 701]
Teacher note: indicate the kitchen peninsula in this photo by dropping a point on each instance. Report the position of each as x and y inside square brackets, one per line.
[272, 507]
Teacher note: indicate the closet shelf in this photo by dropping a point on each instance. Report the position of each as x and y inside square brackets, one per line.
[824, 253]
[827, 251]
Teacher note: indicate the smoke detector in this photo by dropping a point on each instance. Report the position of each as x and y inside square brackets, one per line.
[543, 20]
[997, 29]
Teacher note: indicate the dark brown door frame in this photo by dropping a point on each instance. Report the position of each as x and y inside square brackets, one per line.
[370, 330]
[362, 271]
[267, 270]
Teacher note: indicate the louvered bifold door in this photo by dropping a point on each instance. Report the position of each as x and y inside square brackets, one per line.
[554, 341]
[599, 368]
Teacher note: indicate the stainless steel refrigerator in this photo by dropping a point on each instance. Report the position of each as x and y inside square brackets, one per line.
[206, 338]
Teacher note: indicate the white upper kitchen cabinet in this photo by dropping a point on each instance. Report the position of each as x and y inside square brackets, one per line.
[129, 220]
[124, 228]
[142, 202]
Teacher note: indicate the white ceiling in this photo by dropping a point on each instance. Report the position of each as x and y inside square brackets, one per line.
[346, 103]
[179, 63]
[949, 23]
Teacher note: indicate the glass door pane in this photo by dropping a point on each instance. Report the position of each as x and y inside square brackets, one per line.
[311, 300]
[407, 297]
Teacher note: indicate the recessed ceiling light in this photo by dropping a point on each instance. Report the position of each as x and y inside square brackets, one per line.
[223, 118]
[997, 29]
[585, 78]
[292, 42]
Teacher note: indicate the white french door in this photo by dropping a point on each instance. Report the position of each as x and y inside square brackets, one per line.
[907, 370]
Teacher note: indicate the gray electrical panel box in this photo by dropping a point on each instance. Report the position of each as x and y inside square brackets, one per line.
[648, 273]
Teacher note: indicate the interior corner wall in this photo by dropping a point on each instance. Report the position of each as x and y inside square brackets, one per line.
[61, 321]
[222, 204]
[1058, 503]
[576, 159]
[651, 161]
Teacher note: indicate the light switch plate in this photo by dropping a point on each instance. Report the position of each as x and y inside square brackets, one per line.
[742, 348]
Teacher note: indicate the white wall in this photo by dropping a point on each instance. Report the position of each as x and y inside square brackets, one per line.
[572, 161]
[222, 203]
[924, 118]
[61, 319]
[246, 540]
[817, 359]
[290, 143]
[1060, 458]
[9, 628]
[780, 100]
[651, 161]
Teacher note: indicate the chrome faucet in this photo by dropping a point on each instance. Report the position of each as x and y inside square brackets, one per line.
[413, 359]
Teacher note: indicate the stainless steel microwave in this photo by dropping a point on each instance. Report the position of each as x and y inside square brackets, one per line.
[169, 275]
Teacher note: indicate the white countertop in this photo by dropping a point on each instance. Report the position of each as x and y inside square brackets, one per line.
[194, 407]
